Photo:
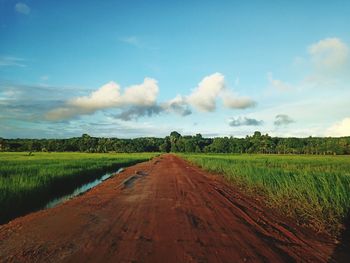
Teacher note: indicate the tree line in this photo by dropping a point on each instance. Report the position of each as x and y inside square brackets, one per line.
[175, 142]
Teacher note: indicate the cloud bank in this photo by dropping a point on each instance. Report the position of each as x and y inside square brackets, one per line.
[141, 100]
[108, 96]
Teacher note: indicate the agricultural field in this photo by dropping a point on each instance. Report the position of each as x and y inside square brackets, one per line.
[313, 190]
[28, 181]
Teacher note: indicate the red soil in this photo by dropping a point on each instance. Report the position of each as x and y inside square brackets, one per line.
[168, 211]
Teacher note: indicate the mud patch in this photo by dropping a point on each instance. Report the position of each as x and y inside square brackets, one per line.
[195, 221]
[129, 182]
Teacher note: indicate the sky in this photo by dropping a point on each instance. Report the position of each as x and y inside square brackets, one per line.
[145, 68]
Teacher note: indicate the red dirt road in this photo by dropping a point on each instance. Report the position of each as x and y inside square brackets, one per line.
[164, 210]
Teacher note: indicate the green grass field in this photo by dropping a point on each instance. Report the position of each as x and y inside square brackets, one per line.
[314, 190]
[28, 182]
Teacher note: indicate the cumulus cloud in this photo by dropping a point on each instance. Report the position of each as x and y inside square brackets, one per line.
[22, 8]
[105, 97]
[329, 54]
[330, 60]
[329, 66]
[283, 120]
[339, 129]
[235, 102]
[212, 87]
[177, 105]
[141, 100]
[204, 96]
[108, 96]
[236, 122]
[144, 94]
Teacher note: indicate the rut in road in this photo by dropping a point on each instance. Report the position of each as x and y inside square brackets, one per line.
[165, 210]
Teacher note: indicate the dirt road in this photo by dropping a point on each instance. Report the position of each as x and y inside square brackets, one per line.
[164, 210]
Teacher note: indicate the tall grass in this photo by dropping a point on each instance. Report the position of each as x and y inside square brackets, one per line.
[28, 182]
[314, 190]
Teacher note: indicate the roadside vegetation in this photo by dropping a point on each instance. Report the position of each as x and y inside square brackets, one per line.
[314, 190]
[29, 180]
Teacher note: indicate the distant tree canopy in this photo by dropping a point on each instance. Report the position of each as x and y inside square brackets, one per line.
[257, 143]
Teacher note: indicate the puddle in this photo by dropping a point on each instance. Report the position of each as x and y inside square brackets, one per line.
[81, 189]
[130, 181]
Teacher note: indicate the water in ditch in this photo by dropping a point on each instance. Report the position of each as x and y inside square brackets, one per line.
[80, 189]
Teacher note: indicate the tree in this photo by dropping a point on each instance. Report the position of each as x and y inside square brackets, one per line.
[166, 146]
[174, 137]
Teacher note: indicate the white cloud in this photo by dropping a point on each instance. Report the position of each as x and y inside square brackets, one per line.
[278, 84]
[205, 95]
[141, 100]
[328, 67]
[177, 105]
[329, 54]
[22, 8]
[108, 96]
[131, 40]
[235, 102]
[7, 61]
[330, 64]
[341, 128]
[144, 94]
[63, 113]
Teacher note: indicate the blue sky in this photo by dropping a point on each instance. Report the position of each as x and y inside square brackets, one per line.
[145, 68]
